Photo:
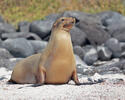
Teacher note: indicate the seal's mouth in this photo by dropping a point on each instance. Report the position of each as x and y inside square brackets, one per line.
[68, 25]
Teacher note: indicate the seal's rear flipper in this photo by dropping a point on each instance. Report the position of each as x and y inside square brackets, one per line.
[11, 82]
[35, 85]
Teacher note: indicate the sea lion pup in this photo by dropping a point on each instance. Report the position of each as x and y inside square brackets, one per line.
[56, 64]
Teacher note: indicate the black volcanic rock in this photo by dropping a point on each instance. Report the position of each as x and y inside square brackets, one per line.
[110, 18]
[78, 37]
[6, 28]
[19, 47]
[114, 23]
[104, 53]
[43, 27]
[9, 63]
[79, 51]
[1, 20]
[5, 54]
[94, 31]
[38, 46]
[23, 26]
[91, 55]
[26, 35]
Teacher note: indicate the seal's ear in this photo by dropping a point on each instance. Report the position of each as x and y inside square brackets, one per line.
[56, 24]
[76, 20]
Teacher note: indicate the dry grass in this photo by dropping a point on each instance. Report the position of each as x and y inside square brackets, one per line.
[18, 10]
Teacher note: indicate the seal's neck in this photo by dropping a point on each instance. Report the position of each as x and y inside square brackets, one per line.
[60, 42]
[60, 35]
[61, 39]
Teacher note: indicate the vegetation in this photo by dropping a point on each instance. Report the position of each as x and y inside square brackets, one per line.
[18, 10]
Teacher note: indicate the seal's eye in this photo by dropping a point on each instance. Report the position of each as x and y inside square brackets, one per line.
[62, 20]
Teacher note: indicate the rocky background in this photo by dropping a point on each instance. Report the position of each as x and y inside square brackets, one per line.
[98, 43]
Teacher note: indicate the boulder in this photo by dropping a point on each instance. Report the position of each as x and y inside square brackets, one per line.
[0, 43]
[122, 45]
[117, 31]
[9, 63]
[120, 37]
[26, 35]
[38, 46]
[94, 31]
[23, 26]
[83, 68]
[123, 67]
[79, 61]
[5, 54]
[18, 47]
[110, 18]
[79, 64]
[43, 27]
[77, 14]
[104, 53]
[123, 55]
[6, 28]
[78, 37]
[114, 45]
[1, 20]
[79, 51]
[114, 23]
[90, 56]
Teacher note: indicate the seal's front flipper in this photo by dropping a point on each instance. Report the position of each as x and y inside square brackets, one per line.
[40, 77]
[75, 78]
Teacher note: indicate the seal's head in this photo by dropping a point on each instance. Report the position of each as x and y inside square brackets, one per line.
[64, 23]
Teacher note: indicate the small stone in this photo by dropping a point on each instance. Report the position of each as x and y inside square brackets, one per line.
[115, 81]
[111, 67]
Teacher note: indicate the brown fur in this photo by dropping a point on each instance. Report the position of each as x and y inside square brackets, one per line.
[56, 64]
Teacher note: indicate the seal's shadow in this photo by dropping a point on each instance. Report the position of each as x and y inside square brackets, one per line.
[38, 85]
[87, 83]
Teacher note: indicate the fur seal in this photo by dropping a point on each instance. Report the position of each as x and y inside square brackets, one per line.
[55, 65]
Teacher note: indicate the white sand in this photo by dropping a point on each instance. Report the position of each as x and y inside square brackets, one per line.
[100, 91]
